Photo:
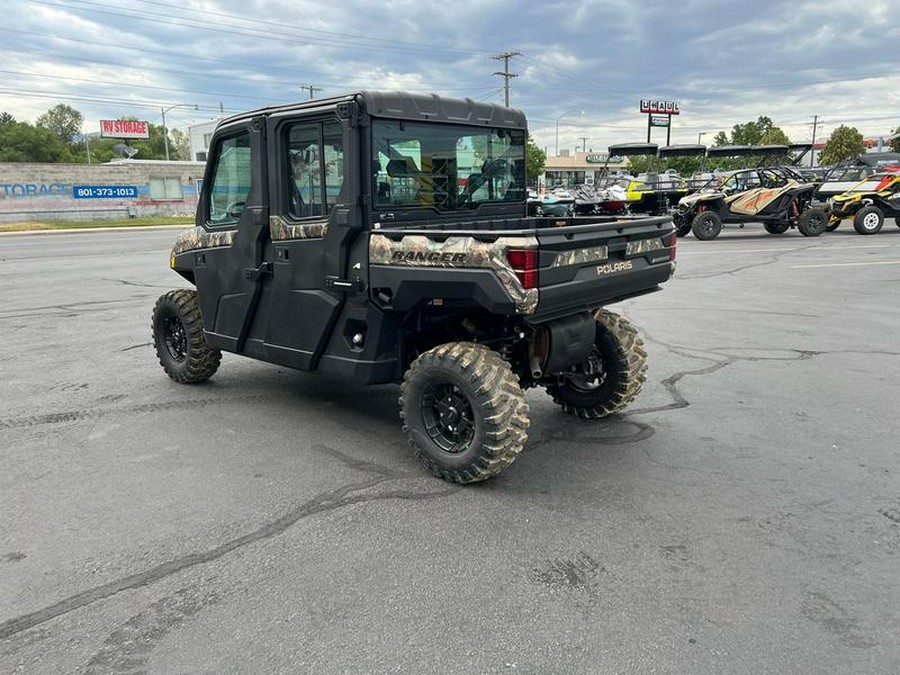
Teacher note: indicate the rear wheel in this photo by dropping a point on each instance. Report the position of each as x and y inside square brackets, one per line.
[868, 220]
[706, 225]
[612, 377]
[179, 340]
[813, 222]
[463, 412]
[776, 228]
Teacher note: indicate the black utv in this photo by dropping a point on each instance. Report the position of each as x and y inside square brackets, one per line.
[382, 238]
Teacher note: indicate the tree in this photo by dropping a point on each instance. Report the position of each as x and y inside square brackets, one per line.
[179, 144]
[761, 132]
[895, 144]
[844, 143]
[63, 120]
[6, 119]
[22, 142]
[535, 159]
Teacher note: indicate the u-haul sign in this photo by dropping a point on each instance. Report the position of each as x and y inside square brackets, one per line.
[659, 107]
[124, 129]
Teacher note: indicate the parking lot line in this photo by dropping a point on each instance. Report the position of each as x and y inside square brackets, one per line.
[848, 264]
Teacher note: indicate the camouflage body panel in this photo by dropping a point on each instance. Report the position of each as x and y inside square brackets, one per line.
[198, 238]
[459, 252]
[581, 256]
[281, 230]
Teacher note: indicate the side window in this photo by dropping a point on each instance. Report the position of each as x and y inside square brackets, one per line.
[315, 168]
[230, 181]
[333, 156]
[304, 171]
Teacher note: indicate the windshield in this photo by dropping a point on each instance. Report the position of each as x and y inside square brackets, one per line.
[446, 167]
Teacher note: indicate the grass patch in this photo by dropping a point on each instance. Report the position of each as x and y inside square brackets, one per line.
[27, 226]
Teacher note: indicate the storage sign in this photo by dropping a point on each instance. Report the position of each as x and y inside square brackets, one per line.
[659, 120]
[104, 191]
[124, 129]
[659, 107]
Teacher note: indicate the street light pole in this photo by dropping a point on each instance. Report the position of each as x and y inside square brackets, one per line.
[570, 112]
[165, 131]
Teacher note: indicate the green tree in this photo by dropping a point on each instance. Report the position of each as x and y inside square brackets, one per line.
[6, 119]
[761, 132]
[535, 159]
[895, 144]
[63, 120]
[774, 136]
[23, 142]
[179, 144]
[844, 143]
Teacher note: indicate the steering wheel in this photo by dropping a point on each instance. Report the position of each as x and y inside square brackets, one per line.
[235, 209]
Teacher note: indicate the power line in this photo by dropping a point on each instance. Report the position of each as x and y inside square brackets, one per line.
[159, 18]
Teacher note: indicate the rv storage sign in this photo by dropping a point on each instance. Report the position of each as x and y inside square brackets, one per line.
[124, 129]
[659, 107]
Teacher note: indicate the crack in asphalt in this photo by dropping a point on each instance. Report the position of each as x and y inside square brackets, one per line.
[345, 495]
[82, 414]
[776, 257]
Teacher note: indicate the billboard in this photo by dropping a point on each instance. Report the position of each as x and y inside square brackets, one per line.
[124, 129]
[660, 107]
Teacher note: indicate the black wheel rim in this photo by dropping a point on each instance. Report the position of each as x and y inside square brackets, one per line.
[448, 417]
[175, 337]
[707, 226]
[588, 376]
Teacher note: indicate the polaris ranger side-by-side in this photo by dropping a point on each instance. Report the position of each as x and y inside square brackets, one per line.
[383, 237]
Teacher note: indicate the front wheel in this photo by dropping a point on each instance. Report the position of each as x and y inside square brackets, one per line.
[181, 346]
[813, 222]
[868, 220]
[706, 225]
[611, 378]
[463, 412]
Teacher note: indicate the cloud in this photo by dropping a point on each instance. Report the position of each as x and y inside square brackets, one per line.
[725, 62]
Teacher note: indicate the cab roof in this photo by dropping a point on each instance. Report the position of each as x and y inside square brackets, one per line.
[402, 105]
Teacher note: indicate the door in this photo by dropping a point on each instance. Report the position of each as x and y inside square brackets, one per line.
[308, 230]
[230, 278]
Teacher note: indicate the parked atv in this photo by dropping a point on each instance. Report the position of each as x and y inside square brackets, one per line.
[777, 197]
[357, 236]
[868, 203]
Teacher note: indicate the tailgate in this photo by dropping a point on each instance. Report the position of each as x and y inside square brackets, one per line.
[586, 266]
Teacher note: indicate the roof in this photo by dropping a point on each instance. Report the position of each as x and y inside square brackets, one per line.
[403, 105]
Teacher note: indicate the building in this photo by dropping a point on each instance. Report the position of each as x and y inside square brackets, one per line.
[580, 168]
[199, 136]
[124, 187]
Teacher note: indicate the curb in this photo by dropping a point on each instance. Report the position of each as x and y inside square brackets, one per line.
[124, 228]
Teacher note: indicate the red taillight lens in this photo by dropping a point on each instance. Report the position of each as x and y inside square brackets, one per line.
[674, 248]
[524, 262]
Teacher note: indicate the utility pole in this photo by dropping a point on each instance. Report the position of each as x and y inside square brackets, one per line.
[505, 74]
[812, 154]
[311, 89]
[584, 143]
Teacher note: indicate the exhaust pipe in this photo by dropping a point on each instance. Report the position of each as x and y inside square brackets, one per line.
[535, 364]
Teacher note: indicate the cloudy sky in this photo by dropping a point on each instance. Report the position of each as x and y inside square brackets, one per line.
[725, 62]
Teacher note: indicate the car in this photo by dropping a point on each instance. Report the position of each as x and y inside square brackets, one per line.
[868, 203]
[382, 237]
[777, 197]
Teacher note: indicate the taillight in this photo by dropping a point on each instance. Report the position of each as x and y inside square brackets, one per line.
[674, 247]
[524, 262]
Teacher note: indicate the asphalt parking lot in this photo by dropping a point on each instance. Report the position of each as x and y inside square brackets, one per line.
[743, 517]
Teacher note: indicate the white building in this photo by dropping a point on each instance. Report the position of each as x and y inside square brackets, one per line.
[199, 136]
